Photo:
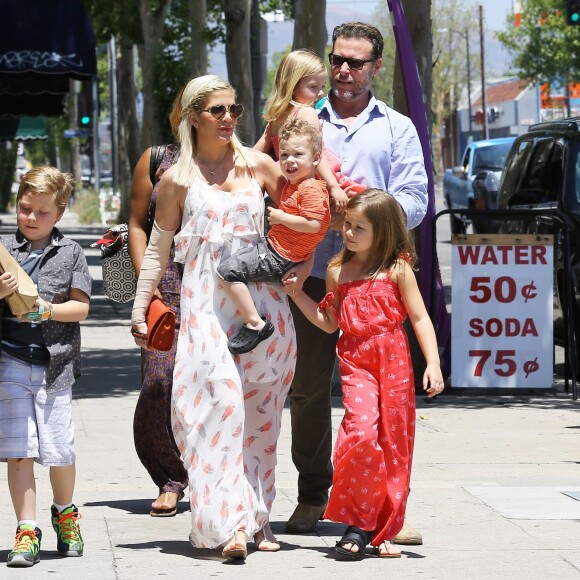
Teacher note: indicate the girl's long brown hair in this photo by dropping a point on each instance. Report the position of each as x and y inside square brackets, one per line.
[390, 237]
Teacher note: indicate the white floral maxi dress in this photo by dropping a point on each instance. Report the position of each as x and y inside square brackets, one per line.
[226, 409]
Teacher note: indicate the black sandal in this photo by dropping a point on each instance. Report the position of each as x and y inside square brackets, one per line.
[356, 536]
[248, 338]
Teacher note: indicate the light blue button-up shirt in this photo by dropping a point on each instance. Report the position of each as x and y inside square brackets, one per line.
[381, 149]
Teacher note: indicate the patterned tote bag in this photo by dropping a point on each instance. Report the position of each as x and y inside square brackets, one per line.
[119, 280]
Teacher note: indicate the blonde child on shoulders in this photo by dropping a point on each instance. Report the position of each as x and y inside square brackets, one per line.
[371, 288]
[299, 84]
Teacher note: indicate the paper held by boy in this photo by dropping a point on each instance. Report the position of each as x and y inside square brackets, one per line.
[24, 299]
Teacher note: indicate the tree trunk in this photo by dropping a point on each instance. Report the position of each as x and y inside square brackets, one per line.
[197, 17]
[127, 90]
[8, 150]
[129, 141]
[237, 17]
[310, 25]
[152, 25]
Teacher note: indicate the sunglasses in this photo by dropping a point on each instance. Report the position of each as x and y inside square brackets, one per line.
[353, 63]
[218, 112]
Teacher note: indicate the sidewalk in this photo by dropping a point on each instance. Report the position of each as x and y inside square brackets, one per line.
[487, 488]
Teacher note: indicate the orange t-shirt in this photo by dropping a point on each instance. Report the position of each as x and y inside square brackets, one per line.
[308, 199]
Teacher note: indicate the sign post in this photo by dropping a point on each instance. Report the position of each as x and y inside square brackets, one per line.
[502, 300]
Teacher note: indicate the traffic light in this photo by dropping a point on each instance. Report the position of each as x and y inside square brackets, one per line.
[85, 106]
[573, 12]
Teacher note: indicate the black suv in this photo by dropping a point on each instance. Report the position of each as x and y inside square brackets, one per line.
[542, 171]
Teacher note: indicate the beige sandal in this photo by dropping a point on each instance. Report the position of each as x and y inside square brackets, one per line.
[165, 497]
[390, 551]
[265, 540]
[236, 547]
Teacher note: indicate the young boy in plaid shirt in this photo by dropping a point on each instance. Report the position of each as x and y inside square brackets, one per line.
[39, 362]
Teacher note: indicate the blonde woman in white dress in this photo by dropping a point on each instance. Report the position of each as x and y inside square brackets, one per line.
[226, 408]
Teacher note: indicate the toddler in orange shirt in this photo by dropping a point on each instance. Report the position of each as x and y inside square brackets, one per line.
[297, 226]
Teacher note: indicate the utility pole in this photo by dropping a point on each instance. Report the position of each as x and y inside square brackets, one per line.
[75, 142]
[483, 91]
[114, 112]
[468, 80]
[95, 133]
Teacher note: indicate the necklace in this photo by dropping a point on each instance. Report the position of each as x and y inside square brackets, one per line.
[216, 165]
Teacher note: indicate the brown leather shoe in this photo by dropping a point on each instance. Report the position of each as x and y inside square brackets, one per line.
[304, 519]
[408, 536]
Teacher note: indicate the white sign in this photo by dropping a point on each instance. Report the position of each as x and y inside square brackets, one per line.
[502, 300]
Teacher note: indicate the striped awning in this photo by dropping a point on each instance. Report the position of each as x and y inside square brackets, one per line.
[23, 128]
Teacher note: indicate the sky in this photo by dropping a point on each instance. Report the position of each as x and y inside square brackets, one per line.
[494, 11]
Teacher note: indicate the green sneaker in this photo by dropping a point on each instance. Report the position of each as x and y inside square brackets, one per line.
[26, 551]
[68, 532]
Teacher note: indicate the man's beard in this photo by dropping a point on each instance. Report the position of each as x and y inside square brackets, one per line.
[355, 90]
[343, 95]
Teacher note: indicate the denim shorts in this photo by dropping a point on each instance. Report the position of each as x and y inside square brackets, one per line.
[259, 263]
[34, 423]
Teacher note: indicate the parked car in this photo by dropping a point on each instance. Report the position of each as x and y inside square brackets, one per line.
[543, 171]
[488, 155]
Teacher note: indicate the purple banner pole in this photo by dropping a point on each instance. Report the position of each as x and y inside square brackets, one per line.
[417, 113]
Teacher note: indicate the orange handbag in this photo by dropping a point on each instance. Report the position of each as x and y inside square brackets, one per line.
[160, 325]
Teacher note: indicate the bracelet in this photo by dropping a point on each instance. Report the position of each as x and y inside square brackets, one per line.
[42, 315]
[50, 315]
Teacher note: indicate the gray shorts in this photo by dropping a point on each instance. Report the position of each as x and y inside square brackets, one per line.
[259, 263]
[34, 423]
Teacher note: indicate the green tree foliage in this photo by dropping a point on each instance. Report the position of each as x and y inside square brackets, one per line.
[172, 65]
[383, 82]
[452, 20]
[216, 26]
[544, 48]
[113, 18]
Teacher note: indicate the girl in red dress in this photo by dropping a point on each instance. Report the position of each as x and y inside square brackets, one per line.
[371, 288]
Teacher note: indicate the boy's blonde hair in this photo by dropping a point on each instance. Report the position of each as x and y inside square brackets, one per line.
[391, 240]
[301, 128]
[194, 98]
[293, 68]
[49, 180]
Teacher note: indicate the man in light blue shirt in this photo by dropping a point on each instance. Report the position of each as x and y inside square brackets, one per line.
[379, 147]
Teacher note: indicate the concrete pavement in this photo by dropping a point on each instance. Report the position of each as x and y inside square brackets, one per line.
[490, 481]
